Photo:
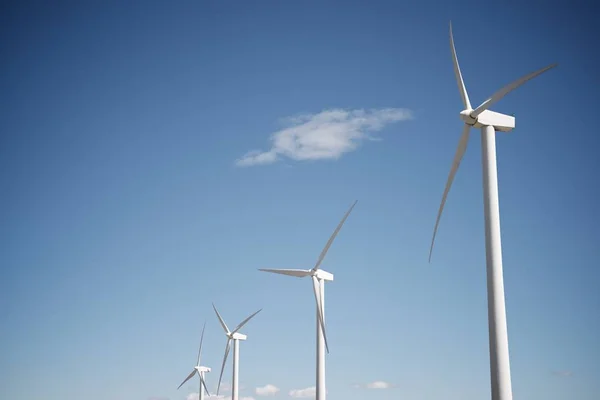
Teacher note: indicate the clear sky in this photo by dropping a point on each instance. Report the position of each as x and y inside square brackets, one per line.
[153, 155]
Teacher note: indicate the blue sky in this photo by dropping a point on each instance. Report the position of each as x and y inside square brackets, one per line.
[124, 215]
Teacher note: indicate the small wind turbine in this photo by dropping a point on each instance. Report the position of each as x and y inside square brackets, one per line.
[489, 122]
[236, 337]
[319, 277]
[200, 370]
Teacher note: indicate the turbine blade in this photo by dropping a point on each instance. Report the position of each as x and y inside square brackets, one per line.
[299, 273]
[462, 147]
[203, 384]
[320, 309]
[223, 366]
[200, 349]
[507, 89]
[330, 241]
[223, 324]
[237, 328]
[187, 379]
[459, 79]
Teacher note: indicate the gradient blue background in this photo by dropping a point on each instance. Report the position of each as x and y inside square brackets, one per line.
[122, 215]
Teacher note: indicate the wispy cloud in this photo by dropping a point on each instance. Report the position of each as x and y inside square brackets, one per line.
[267, 390]
[375, 385]
[563, 373]
[304, 393]
[379, 385]
[326, 135]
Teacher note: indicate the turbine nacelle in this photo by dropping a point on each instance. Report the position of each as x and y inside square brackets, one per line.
[238, 336]
[200, 368]
[323, 275]
[500, 122]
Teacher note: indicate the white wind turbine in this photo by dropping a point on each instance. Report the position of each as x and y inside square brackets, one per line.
[200, 370]
[234, 336]
[489, 122]
[319, 277]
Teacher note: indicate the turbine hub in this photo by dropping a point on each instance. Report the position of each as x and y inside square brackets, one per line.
[465, 115]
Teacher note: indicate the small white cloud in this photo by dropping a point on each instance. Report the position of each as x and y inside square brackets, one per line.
[326, 135]
[304, 393]
[256, 157]
[267, 390]
[194, 396]
[379, 385]
[375, 385]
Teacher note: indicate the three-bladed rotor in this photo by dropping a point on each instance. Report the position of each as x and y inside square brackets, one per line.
[478, 117]
[316, 273]
[231, 335]
[198, 369]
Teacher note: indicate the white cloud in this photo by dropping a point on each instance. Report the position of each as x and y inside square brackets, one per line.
[375, 385]
[379, 385]
[257, 157]
[194, 396]
[326, 135]
[267, 390]
[304, 393]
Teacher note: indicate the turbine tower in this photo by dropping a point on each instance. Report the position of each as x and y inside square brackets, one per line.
[319, 277]
[489, 122]
[234, 336]
[200, 370]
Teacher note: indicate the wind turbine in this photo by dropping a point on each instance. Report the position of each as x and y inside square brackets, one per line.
[200, 370]
[489, 122]
[319, 277]
[236, 337]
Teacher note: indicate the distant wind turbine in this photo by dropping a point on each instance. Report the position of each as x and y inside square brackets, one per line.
[319, 277]
[489, 122]
[200, 370]
[234, 336]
